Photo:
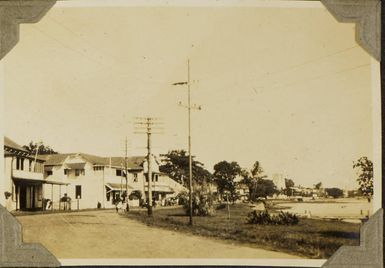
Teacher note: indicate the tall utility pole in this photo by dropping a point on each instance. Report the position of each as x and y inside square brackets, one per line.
[38, 144]
[125, 172]
[147, 125]
[189, 107]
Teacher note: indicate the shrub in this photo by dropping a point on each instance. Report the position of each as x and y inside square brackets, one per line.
[287, 218]
[334, 192]
[264, 218]
[135, 195]
[202, 204]
[182, 198]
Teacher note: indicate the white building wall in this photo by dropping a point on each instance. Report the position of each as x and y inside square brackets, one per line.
[91, 185]
[10, 203]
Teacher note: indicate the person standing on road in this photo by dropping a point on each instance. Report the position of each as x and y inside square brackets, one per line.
[118, 205]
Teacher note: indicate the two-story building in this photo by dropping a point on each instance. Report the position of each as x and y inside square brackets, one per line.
[94, 181]
[24, 182]
[78, 180]
[162, 186]
[84, 176]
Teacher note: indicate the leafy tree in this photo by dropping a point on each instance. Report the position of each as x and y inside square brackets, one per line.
[288, 184]
[334, 192]
[176, 165]
[257, 170]
[40, 147]
[224, 174]
[365, 176]
[252, 179]
[264, 188]
[318, 185]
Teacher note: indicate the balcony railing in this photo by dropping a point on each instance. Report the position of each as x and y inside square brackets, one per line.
[28, 175]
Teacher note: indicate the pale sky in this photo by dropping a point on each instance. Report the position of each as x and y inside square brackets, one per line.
[288, 87]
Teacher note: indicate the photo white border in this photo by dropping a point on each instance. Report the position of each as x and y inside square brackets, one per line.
[190, 3]
[377, 134]
[185, 262]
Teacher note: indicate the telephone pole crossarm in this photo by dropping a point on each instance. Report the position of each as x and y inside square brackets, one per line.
[146, 125]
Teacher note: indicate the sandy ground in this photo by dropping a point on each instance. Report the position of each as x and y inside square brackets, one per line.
[337, 208]
[106, 234]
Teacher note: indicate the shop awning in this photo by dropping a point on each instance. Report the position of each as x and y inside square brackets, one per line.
[118, 186]
[37, 181]
[28, 181]
[161, 188]
[56, 182]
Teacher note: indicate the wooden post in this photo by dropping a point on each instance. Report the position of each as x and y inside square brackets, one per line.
[52, 196]
[42, 196]
[228, 207]
[59, 195]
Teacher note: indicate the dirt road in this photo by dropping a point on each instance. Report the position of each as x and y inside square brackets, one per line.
[106, 234]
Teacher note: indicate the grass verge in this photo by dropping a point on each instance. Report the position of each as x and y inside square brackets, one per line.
[311, 238]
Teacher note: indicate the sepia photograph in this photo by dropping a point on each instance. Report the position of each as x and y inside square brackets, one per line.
[139, 131]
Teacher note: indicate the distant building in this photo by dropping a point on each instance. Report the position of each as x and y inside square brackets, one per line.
[242, 191]
[279, 181]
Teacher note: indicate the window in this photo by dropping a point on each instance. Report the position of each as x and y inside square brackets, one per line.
[154, 177]
[39, 191]
[98, 168]
[116, 197]
[135, 177]
[30, 165]
[66, 171]
[17, 163]
[22, 164]
[79, 172]
[78, 191]
[49, 172]
[118, 172]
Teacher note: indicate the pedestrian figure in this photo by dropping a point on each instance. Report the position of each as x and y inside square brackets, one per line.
[119, 205]
[67, 202]
[127, 207]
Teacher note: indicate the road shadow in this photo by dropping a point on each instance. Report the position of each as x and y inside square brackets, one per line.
[341, 234]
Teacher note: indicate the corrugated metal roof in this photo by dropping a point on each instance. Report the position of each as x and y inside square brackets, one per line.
[133, 162]
[94, 159]
[58, 159]
[55, 159]
[75, 165]
[11, 144]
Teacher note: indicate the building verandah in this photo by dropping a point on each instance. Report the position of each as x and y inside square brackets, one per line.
[34, 194]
